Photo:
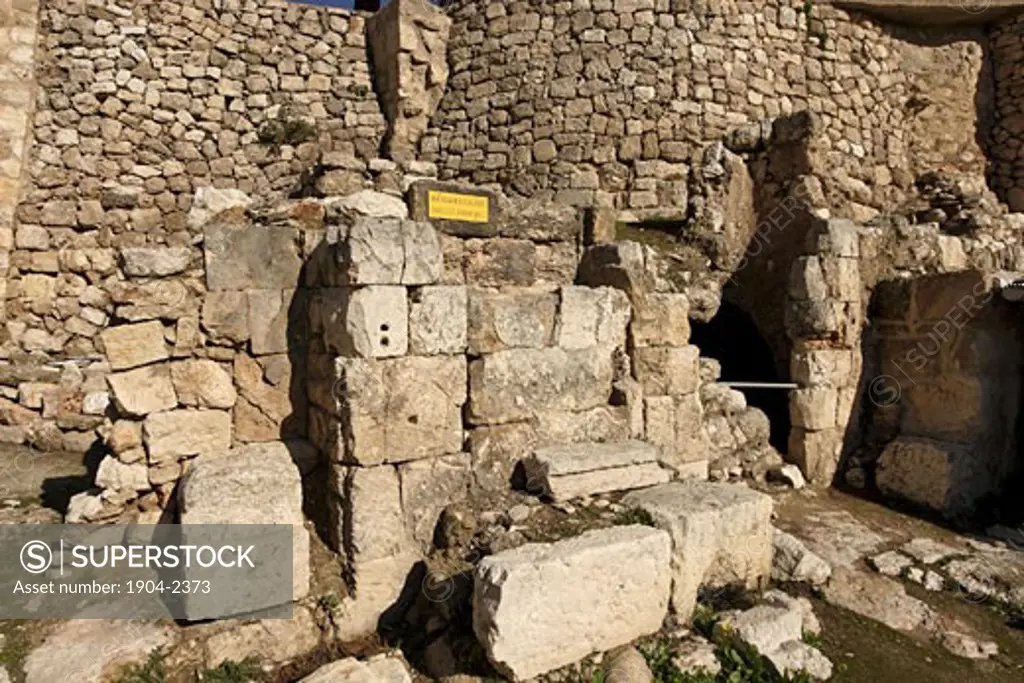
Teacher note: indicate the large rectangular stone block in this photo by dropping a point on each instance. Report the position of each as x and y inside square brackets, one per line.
[129, 346]
[570, 471]
[438, 320]
[428, 486]
[542, 606]
[495, 452]
[721, 535]
[667, 371]
[662, 320]
[592, 316]
[511, 318]
[949, 478]
[401, 409]
[364, 322]
[519, 384]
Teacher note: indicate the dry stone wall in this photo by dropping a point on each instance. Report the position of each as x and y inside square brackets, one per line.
[595, 102]
[1008, 135]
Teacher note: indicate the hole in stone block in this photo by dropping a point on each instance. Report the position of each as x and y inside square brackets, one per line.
[385, 327]
[384, 341]
[414, 419]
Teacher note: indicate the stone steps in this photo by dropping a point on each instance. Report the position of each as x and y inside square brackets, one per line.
[585, 469]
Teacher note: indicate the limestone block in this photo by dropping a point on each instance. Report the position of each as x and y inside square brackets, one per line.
[500, 262]
[495, 452]
[816, 453]
[177, 434]
[793, 561]
[590, 317]
[401, 409]
[388, 251]
[518, 384]
[517, 318]
[303, 454]
[438, 320]
[721, 535]
[428, 486]
[351, 670]
[842, 277]
[249, 488]
[619, 265]
[662, 320]
[209, 202]
[369, 203]
[367, 322]
[116, 475]
[530, 219]
[202, 383]
[155, 261]
[814, 367]
[372, 521]
[269, 313]
[807, 281]
[813, 408]
[542, 606]
[225, 316]
[945, 477]
[129, 346]
[266, 408]
[766, 627]
[660, 418]
[604, 423]
[834, 237]
[251, 256]
[570, 471]
[670, 371]
[143, 390]
[372, 253]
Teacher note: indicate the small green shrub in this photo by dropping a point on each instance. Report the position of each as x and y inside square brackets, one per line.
[150, 672]
[634, 516]
[231, 672]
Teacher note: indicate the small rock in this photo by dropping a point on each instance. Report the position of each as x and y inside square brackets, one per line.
[696, 655]
[627, 666]
[790, 474]
[793, 561]
[208, 202]
[927, 551]
[964, 646]
[796, 656]
[518, 513]
[890, 563]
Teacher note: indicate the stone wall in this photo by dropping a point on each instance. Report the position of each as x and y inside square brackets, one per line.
[18, 23]
[608, 103]
[1008, 135]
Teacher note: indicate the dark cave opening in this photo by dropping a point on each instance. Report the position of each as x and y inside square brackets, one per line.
[733, 339]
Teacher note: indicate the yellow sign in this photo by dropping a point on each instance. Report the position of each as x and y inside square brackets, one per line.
[458, 207]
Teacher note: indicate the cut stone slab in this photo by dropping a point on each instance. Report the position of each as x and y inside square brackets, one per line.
[890, 563]
[129, 346]
[564, 472]
[542, 606]
[929, 551]
[878, 598]
[519, 384]
[388, 251]
[721, 535]
[367, 322]
[793, 561]
[250, 488]
[155, 262]
[178, 434]
[88, 650]
[143, 390]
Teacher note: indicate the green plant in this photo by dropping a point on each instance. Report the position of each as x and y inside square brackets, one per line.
[150, 672]
[329, 602]
[287, 128]
[704, 621]
[634, 516]
[231, 672]
[812, 639]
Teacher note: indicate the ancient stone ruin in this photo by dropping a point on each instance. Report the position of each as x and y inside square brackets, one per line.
[532, 318]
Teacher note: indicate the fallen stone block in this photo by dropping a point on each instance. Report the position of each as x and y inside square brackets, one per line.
[564, 472]
[87, 650]
[721, 535]
[934, 474]
[793, 561]
[542, 606]
[381, 669]
[250, 488]
[890, 563]
[519, 384]
[878, 598]
[766, 627]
